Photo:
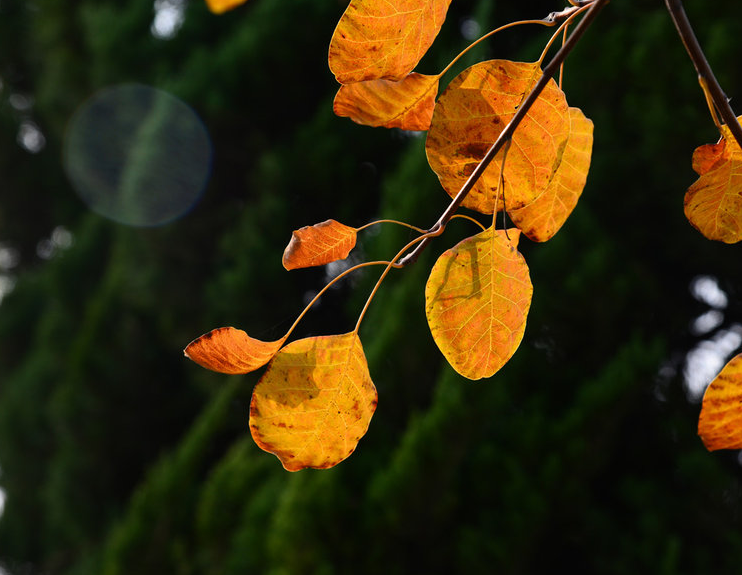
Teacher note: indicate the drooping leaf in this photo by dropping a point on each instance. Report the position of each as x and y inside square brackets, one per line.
[383, 39]
[713, 204]
[221, 6]
[230, 350]
[407, 104]
[318, 245]
[314, 402]
[543, 217]
[470, 115]
[477, 299]
[720, 422]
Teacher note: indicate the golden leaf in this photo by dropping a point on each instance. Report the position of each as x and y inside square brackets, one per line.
[407, 104]
[720, 422]
[318, 245]
[314, 402]
[220, 6]
[470, 115]
[383, 39]
[477, 299]
[232, 351]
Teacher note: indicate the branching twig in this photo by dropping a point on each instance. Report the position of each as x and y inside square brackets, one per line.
[705, 73]
[549, 71]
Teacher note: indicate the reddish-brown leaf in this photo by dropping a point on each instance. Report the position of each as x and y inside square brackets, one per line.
[713, 204]
[407, 104]
[232, 351]
[477, 299]
[543, 217]
[319, 244]
[220, 6]
[383, 39]
[470, 115]
[314, 402]
[720, 422]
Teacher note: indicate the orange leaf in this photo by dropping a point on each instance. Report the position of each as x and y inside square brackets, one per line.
[407, 104]
[383, 39]
[713, 204]
[468, 118]
[220, 6]
[314, 402]
[543, 217]
[232, 351]
[477, 299]
[318, 245]
[720, 422]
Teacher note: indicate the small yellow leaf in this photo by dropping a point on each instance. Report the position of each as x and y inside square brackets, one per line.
[477, 299]
[470, 115]
[383, 39]
[713, 204]
[314, 402]
[319, 244]
[720, 422]
[220, 6]
[543, 217]
[407, 104]
[232, 351]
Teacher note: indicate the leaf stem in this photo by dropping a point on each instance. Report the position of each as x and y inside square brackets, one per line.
[548, 72]
[706, 77]
[465, 217]
[368, 225]
[563, 27]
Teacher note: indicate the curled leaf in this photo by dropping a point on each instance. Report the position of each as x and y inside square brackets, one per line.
[314, 402]
[720, 422]
[383, 39]
[407, 104]
[230, 350]
[543, 217]
[220, 6]
[477, 299]
[470, 115]
[713, 204]
[318, 245]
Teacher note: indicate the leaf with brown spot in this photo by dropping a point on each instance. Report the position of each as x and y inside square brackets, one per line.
[470, 115]
[230, 350]
[221, 6]
[314, 402]
[383, 39]
[319, 244]
[713, 204]
[543, 217]
[407, 104]
[720, 422]
[477, 299]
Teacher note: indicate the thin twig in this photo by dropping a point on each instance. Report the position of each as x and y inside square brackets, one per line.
[551, 68]
[705, 73]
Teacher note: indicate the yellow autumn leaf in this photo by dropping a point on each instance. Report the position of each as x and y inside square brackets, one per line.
[230, 350]
[314, 402]
[383, 39]
[713, 204]
[477, 299]
[543, 217]
[720, 422]
[470, 115]
[319, 244]
[220, 6]
[406, 104]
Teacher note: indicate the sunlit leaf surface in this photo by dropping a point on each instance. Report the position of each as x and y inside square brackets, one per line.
[720, 422]
[713, 204]
[319, 244]
[314, 402]
[383, 39]
[230, 350]
[477, 299]
[220, 6]
[470, 115]
[406, 104]
[543, 217]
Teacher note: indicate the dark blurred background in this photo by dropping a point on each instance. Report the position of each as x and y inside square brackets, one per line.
[118, 455]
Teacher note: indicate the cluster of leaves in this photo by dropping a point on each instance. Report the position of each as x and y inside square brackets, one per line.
[316, 398]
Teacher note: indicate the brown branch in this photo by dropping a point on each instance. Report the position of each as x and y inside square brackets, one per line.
[705, 73]
[549, 71]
